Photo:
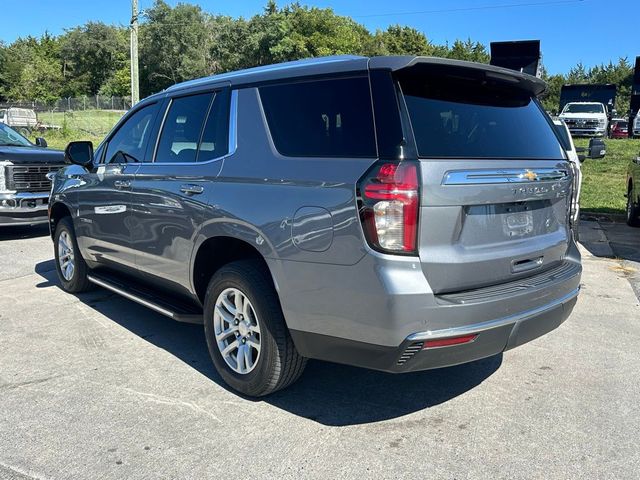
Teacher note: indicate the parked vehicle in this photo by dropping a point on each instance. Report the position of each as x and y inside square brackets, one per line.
[24, 120]
[636, 126]
[394, 213]
[572, 155]
[620, 129]
[24, 186]
[585, 118]
[633, 192]
[587, 109]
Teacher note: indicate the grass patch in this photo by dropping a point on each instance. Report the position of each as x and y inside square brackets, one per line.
[603, 181]
[90, 125]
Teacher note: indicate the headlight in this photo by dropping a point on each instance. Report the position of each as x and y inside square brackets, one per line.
[3, 176]
[602, 122]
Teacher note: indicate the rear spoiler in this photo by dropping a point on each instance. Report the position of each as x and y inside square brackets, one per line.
[459, 68]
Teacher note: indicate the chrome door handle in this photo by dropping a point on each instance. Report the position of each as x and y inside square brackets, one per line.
[192, 189]
[122, 183]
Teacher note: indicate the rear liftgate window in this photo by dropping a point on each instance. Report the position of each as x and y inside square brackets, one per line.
[321, 118]
[456, 117]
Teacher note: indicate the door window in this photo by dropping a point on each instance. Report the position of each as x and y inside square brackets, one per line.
[182, 129]
[129, 143]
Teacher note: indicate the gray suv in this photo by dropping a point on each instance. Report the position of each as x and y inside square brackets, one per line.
[393, 213]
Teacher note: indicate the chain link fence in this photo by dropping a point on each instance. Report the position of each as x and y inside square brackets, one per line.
[72, 104]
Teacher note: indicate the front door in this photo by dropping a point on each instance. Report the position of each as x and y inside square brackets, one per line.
[103, 224]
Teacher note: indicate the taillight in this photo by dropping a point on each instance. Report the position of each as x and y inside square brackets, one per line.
[390, 200]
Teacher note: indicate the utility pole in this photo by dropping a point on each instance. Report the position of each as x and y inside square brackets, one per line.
[135, 92]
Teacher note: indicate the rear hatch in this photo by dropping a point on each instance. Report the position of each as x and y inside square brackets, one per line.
[496, 186]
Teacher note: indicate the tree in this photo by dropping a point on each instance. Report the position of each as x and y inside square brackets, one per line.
[91, 54]
[175, 46]
[401, 40]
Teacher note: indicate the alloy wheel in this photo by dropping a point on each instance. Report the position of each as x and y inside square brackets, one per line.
[237, 331]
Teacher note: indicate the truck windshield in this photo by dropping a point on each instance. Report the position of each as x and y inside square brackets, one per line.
[584, 108]
[9, 137]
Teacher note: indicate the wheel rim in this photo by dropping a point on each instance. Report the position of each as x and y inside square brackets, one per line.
[237, 331]
[66, 255]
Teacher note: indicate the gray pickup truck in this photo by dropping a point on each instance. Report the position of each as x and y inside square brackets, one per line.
[394, 213]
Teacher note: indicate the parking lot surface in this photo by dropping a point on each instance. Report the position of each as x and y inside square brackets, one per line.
[95, 386]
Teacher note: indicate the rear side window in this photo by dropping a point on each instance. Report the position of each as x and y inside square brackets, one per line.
[454, 117]
[196, 129]
[182, 127]
[321, 118]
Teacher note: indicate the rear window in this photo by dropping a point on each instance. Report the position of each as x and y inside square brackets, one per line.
[323, 118]
[455, 117]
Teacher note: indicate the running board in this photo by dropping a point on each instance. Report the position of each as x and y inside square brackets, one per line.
[147, 300]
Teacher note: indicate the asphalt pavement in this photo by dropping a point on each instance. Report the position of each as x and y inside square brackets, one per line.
[95, 386]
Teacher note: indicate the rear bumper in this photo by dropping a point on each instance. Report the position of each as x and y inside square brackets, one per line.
[375, 312]
[23, 209]
[493, 337]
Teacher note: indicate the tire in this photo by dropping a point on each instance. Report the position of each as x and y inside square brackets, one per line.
[277, 363]
[73, 280]
[633, 210]
[24, 131]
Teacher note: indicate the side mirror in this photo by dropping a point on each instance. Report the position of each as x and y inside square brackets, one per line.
[597, 148]
[79, 153]
[41, 142]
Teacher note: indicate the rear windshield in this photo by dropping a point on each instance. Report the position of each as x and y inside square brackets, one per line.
[456, 117]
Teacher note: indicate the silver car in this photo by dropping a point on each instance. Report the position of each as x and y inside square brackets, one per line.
[394, 213]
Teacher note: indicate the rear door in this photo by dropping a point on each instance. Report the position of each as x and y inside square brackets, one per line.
[170, 194]
[496, 186]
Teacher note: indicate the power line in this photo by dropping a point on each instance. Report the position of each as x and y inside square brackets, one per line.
[469, 9]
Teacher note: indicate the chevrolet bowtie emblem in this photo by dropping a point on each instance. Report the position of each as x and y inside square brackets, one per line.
[531, 176]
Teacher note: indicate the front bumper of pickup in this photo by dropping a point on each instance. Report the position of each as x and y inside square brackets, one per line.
[587, 131]
[23, 208]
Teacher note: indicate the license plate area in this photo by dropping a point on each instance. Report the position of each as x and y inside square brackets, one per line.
[517, 223]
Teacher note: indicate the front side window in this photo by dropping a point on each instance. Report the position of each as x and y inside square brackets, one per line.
[321, 118]
[130, 141]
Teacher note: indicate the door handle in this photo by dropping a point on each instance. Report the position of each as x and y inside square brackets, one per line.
[122, 183]
[190, 189]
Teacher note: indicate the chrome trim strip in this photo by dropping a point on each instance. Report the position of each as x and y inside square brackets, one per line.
[515, 175]
[233, 123]
[146, 303]
[500, 322]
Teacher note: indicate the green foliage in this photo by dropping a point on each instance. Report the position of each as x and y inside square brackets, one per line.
[90, 54]
[182, 42]
[174, 46]
[620, 74]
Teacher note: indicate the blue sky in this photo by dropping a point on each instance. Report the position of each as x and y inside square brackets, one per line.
[568, 29]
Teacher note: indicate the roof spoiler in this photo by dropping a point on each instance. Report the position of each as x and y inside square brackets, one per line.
[459, 68]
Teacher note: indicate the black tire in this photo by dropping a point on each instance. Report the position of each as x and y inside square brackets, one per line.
[78, 281]
[279, 364]
[24, 131]
[633, 210]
